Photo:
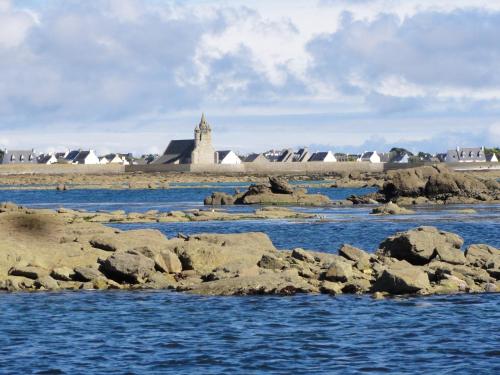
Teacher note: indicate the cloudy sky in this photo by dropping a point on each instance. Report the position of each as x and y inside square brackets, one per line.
[129, 75]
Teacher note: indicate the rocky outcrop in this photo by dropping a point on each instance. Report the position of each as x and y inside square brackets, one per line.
[421, 245]
[44, 250]
[277, 192]
[391, 209]
[434, 184]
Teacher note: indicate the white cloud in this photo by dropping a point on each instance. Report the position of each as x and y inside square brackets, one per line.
[273, 73]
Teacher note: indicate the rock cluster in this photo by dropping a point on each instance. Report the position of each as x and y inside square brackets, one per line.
[42, 250]
[434, 184]
[391, 209]
[277, 191]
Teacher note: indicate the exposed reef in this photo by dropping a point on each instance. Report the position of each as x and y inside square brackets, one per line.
[45, 250]
[432, 184]
[276, 192]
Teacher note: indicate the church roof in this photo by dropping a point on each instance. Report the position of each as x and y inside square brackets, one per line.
[176, 150]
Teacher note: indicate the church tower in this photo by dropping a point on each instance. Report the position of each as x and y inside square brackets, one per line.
[203, 152]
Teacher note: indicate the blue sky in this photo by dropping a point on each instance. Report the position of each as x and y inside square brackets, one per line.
[129, 75]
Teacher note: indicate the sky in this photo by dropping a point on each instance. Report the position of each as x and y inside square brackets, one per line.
[346, 76]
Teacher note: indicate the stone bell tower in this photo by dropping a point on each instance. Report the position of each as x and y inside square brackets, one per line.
[203, 152]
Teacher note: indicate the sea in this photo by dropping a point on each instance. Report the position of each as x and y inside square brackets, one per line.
[159, 332]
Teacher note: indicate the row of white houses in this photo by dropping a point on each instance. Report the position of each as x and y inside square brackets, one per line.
[66, 157]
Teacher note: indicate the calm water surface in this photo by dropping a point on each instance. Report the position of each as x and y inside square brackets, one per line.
[165, 332]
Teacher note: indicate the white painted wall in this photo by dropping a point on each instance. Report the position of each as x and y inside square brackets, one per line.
[230, 158]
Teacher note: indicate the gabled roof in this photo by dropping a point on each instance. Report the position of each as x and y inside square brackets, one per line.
[256, 158]
[319, 156]
[222, 154]
[80, 158]
[72, 155]
[177, 150]
[286, 156]
[44, 159]
[466, 154]
[17, 156]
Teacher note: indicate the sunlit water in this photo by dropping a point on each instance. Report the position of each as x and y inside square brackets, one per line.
[166, 332]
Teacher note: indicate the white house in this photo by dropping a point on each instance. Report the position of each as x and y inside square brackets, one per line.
[47, 159]
[324, 157]
[86, 157]
[465, 155]
[113, 159]
[402, 159]
[370, 156]
[227, 157]
[492, 158]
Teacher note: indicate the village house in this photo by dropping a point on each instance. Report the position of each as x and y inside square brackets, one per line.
[491, 158]
[370, 156]
[302, 156]
[113, 159]
[85, 157]
[49, 158]
[18, 156]
[325, 157]
[401, 159]
[191, 151]
[256, 158]
[466, 155]
[227, 157]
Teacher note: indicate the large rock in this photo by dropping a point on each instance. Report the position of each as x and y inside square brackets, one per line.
[170, 262]
[31, 272]
[419, 246]
[353, 253]
[391, 209]
[206, 252]
[128, 267]
[339, 271]
[218, 199]
[284, 283]
[86, 274]
[402, 278]
[280, 186]
[480, 254]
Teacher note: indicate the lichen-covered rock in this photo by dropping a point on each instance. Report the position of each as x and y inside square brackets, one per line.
[31, 272]
[63, 273]
[339, 271]
[391, 209]
[128, 267]
[480, 254]
[418, 246]
[218, 199]
[360, 257]
[401, 279]
[86, 274]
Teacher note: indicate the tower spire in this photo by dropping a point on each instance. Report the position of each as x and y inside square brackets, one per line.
[203, 123]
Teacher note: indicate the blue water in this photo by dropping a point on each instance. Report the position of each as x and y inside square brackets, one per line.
[166, 332]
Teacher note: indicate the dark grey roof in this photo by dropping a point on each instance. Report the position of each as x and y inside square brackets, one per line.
[45, 158]
[72, 155]
[366, 155]
[255, 158]
[385, 157]
[466, 154]
[80, 158]
[222, 154]
[286, 156]
[177, 150]
[17, 157]
[318, 156]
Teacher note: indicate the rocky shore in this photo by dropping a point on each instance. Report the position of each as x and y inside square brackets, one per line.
[44, 250]
[433, 185]
[155, 216]
[276, 192]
